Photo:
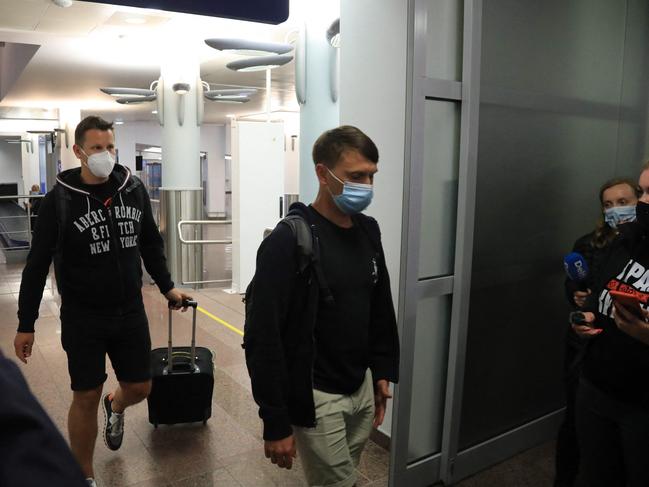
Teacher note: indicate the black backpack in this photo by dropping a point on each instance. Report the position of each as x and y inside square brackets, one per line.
[308, 256]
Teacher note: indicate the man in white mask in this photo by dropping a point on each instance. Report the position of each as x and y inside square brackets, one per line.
[96, 224]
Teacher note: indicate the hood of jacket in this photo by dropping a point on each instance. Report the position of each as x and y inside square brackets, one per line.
[69, 179]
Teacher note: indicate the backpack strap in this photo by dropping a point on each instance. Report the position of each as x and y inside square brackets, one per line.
[308, 248]
[137, 188]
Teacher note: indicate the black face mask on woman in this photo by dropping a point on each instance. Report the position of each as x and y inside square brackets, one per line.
[642, 216]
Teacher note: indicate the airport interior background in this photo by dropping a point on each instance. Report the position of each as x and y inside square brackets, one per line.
[496, 122]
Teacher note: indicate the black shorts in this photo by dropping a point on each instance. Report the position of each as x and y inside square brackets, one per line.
[125, 340]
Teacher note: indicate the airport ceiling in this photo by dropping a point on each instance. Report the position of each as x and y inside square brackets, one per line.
[60, 57]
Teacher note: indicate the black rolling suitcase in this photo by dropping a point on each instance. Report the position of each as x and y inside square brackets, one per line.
[183, 381]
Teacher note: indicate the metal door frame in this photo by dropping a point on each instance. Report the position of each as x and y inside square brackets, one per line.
[439, 466]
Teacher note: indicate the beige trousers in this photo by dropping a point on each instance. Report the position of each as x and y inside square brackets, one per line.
[331, 451]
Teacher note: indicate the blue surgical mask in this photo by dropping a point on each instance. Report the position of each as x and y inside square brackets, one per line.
[354, 198]
[619, 215]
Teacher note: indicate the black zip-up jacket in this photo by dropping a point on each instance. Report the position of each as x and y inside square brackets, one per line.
[615, 362]
[280, 323]
[97, 257]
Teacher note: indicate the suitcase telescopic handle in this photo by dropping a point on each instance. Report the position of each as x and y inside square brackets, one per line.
[186, 303]
[170, 365]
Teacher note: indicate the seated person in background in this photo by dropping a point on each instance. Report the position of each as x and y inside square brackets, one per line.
[34, 204]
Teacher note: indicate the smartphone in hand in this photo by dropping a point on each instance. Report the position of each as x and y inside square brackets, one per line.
[629, 302]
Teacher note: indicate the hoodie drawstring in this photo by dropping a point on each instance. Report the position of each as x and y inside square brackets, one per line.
[88, 201]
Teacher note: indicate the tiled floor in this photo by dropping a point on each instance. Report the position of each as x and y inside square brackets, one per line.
[226, 452]
[533, 468]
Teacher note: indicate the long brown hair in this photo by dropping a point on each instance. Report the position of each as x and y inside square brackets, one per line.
[604, 234]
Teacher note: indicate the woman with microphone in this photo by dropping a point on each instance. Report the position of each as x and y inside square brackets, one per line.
[612, 407]
[618, 198]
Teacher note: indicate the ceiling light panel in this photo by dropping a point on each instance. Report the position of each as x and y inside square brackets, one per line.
[248, 47]
[128, 19]
[119, 91]
[259, 63]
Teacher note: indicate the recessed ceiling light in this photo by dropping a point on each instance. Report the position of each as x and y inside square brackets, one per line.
[119, 122]
[155, 112]
[135, 20]
[231, 115]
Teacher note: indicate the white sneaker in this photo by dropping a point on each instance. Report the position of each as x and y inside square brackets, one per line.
[113, 425]
[91, 482]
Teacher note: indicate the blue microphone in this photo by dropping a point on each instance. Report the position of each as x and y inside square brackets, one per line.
[576, 269]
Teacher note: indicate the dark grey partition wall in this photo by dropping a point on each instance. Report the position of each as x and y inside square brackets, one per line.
[563, 108]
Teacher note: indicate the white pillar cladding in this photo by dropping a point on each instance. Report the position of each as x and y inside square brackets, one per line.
[319, 112]
[257, 185]
[373, 98]
[180, 109]
[181, 131]
[69, 118]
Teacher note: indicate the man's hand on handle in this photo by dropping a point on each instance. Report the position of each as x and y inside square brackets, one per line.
[23, 344]
[281, 452]
[381, 396]
[176, 298]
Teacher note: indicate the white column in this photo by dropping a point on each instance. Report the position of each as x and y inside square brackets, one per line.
[373, 98]
[180, 132]
[319, 113]
[69, 118]
[30, 163]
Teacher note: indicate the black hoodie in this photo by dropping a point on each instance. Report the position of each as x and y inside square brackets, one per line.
[615, 362]
[280, 323]
[97, 256]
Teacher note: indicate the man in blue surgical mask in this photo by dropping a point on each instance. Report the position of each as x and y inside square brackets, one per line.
[96, 224]
[321, 339]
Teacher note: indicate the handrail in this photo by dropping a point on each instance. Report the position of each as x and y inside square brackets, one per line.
[21, 196]
[28, 215]
[181, 223]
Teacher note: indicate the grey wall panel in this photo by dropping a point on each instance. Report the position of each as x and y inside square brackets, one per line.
[553, 127]
[633, 148]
